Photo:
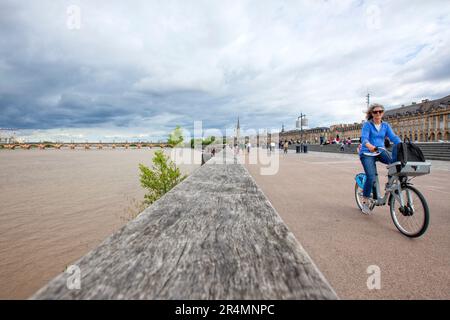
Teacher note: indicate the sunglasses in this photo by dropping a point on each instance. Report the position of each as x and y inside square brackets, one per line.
[378, 111]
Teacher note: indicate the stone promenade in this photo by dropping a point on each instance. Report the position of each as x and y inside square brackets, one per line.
[314, 195]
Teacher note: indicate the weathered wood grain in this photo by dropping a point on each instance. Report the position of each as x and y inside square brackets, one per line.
[214, 236]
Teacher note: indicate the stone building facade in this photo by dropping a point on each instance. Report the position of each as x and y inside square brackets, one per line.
[427, 121]
[321, 134]
[6, 136]
[313, 135]
[345, 131]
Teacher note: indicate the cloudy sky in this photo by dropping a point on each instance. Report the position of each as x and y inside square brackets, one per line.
[112, 70]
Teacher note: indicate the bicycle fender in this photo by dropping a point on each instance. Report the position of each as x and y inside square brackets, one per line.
[360, 179]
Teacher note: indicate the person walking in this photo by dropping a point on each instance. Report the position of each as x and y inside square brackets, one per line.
[286, 147]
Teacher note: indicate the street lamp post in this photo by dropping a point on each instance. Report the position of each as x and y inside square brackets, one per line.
[300, 124]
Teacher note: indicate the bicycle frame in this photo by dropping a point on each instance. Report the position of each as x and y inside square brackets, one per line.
[395, 184]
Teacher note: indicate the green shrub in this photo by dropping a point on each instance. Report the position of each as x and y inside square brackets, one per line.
[159, 179]
[209, 140]
[204, 142]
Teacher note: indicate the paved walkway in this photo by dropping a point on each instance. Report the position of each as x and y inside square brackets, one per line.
[314, 195]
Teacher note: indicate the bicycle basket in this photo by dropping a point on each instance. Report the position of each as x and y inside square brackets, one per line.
[409, 168]
[360, 179]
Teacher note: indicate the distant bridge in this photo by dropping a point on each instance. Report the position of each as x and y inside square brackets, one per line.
[86, 146]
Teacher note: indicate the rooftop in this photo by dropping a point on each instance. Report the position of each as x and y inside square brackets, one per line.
[424, 106]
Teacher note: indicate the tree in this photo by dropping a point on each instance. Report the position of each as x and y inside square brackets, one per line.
[159, 179]
[175, 137]
[204, 142]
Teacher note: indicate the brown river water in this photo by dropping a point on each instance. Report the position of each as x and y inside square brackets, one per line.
[57, 205]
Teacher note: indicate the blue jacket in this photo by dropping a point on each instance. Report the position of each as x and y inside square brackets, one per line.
[375, 137]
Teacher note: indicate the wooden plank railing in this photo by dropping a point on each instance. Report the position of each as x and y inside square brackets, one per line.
[214, 236]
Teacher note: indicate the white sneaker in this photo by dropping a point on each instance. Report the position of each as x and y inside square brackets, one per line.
[365, 209]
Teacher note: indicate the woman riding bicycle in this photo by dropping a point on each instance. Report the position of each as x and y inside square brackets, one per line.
[374, 132]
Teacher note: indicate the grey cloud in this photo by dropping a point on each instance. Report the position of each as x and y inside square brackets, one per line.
[150, 65]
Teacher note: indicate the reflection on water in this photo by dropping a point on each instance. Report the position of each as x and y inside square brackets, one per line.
[56, 205]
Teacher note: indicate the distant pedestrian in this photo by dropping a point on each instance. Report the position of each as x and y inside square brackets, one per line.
[358, 149]
[286, 147]
[349, 141]
[213, 152]
[305, 147]
[272, 146]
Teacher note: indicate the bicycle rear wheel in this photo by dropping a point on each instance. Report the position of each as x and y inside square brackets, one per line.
[412, 219]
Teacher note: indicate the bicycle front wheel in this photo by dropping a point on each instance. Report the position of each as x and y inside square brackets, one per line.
[412, 219]
[358, 196]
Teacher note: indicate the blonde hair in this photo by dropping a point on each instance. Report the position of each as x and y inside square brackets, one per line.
[369, 115]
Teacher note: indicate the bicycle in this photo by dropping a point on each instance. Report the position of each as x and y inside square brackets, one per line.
[408, 207]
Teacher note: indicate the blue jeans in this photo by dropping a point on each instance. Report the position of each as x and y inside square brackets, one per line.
[370, 168]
